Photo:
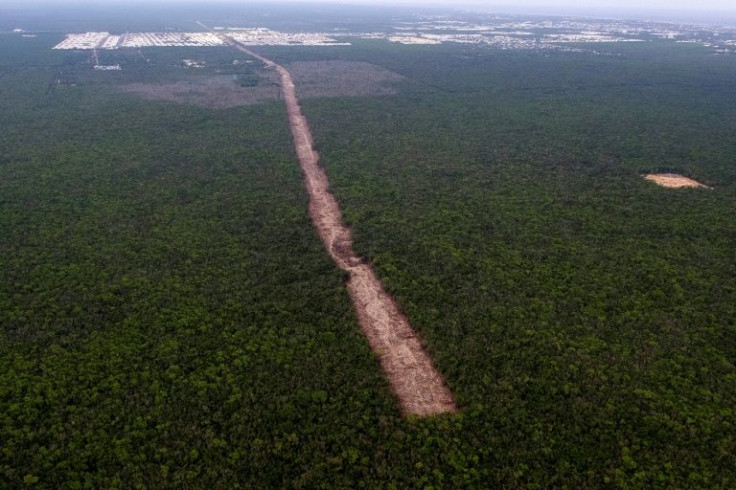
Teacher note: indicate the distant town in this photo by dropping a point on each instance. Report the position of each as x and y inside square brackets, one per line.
[557, 34]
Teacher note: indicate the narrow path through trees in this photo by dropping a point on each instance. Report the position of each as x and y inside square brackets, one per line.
[419, 387]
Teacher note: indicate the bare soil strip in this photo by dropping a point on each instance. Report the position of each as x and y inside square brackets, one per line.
[674, 181]
[420, 389]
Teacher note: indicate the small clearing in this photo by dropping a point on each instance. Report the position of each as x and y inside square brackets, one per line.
[674, 181]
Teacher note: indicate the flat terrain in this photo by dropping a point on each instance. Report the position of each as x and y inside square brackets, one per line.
[338, 78]
[673, 181]
[218, 92]
[170, 317]
[579, 313]
[419, 388]
[314, 79]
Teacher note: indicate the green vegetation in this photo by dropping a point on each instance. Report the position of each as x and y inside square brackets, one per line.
[583, 316]
[169, 317]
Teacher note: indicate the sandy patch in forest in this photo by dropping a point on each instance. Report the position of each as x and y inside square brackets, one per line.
[218, 92]
[418, 386]
[674, 181]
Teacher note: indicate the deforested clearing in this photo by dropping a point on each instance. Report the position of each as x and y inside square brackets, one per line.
[314, 79]
[674, 181]
[217, 92]
[336, 78]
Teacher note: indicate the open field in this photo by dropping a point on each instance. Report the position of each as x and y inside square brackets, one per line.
[219, 92]
[314, 79]
[338, 78]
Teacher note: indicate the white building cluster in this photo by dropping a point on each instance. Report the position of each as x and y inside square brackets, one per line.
[111, 42]
[249, 37]
[162, 39]
[104, 40]
[266, 37]
[412, 39]
[587, 37]
[718, 47]
[85, 40]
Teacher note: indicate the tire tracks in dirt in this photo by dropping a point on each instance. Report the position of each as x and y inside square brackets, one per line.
[418, 386]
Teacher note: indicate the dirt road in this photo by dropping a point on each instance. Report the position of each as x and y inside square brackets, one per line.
[420, 389]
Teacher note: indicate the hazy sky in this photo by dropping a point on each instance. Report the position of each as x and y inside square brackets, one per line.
[487, 4]
[582, 4]
[722, 12]
[645, 4]
[688, 11]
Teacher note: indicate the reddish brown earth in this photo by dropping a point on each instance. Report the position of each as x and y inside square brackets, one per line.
[674, 181]
[419, 387]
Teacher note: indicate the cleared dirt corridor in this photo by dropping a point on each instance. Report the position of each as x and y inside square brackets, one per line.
[420, 389]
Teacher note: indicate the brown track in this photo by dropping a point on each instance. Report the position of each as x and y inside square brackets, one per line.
[420, 389]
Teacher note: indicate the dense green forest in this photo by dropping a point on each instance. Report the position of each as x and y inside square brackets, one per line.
[170, 319]
[583, 316]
